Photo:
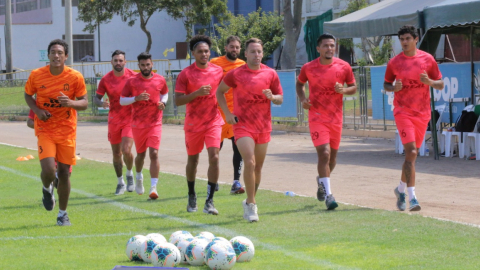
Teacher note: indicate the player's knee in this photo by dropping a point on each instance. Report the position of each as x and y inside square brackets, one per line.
[213, 159]
[126, 150]
[249, 163]
[153, 155]
[411, 153]
[48, 172]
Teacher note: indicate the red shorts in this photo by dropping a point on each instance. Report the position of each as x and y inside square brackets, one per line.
[194, 140]
[323, 133]
[147, 137]
[411, 129]
[117, 132]
[61, 149]
[258, 138]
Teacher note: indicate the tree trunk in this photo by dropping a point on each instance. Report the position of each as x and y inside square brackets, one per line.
[292, 24]
[143, 26]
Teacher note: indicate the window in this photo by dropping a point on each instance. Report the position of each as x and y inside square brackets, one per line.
[26, 5]
[83, 46]
[45, 4]
[74, 3]
[2, 7]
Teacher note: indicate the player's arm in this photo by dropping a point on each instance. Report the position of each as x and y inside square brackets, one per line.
[390, 87]
[80, 104]
[300, 88]
[349, 90]
[182, 99]
[222, 102]
[98, 101]
[276, 99]
[30, 123]
[41, 114]
[437, 84]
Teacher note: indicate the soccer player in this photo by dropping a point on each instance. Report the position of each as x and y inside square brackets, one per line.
[228, 62]
[60, 91]
[255, 86]
[196, 86]
[326, 78]
[413, 72]
[119, 119]
[148, 92]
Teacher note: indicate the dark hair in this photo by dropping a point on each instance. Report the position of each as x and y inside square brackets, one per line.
[407, 29]
[324, 36]
[197, 39]
[144, 56]
[118, 52]
[233, 38]
[253, 40]
[60, 42]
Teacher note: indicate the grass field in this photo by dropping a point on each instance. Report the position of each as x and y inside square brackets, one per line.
[293, 232]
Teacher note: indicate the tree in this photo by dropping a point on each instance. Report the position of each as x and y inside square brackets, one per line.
[95, 12]
[292, 24]
[266, 26]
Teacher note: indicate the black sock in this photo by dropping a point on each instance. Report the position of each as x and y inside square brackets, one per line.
[210, 190]
[191, 187]
[237, 161]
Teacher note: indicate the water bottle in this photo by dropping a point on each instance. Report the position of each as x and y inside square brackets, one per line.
[427, 152]
[290, 193]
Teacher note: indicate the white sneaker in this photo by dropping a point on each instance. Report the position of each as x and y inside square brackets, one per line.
[153, 193]
[139, 186]
[250, 211]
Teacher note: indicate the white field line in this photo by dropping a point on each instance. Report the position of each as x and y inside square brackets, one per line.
[221, 230]
[64, 236]
[362, 206]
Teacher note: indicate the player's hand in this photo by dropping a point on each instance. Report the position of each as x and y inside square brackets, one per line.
[339, 88]
[64, 100]
[231, 118]
[268, 93]
[43, 115]
[204, 90]
[306, 104]
[398, 85]
[161, 106]
[424, 78]
[143, 96]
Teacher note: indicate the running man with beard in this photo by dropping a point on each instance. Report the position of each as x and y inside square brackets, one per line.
[326, 78]
[148, 94]
[196, 87]
[255, 86]
[119, 119]
[228, 62]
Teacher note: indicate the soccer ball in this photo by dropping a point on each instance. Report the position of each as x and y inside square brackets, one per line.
[179, 235]
[194, 252]
[147, 247]
[221, 256]
[157, 237]
[182, 247]
[133, 247]
[215, 240]
[165, 255]
[207, 235]
[243, 247]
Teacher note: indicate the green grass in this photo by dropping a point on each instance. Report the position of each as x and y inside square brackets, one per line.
[293, 232]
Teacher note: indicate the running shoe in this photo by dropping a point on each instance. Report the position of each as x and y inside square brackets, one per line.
[401, 204]
[63, 220]
[120, 189]
[414, 205]
[153, 193]
[192, 203]
[321, 191]
[217, 187]
[139, 186]
[210, 208]
[250, 211]
[330, 202]
[237, 188]
[130, 185]
[48, 199]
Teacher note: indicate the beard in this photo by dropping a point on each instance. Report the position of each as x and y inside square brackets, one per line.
[230, 56]
[118, 68]
[146, 72]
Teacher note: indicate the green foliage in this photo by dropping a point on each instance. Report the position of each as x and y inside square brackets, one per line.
[353, 5]
[266, 26]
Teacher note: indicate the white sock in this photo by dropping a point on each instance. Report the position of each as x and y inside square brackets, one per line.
[139, 175]
[326, 184]
[154, 182]
[47, 189]
[402, 186]
[56, 174]
[129, 172]
[120, 180]
[61, 213]
[411, 193]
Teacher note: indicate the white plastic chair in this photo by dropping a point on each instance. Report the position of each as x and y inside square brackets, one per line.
[475, 137]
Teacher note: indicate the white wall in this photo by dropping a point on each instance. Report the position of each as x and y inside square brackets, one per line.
[28, 39]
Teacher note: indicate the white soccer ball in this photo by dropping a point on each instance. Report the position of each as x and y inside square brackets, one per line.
[195, 251]
[221, 256]
[156, 236]
[244, 248]
[179, 235]
[207, 235]
[215, 240]
[147, 247]
[165, 255]
[133, 247]
[182, 247]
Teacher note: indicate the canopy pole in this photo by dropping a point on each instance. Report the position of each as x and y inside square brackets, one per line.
[472, 70]
[433, 125]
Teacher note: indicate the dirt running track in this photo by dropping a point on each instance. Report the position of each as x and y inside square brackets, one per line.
[367, 169]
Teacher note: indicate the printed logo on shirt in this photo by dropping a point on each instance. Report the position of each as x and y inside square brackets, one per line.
[43, 87]
[258, 99]
[53, 103]
[66, 87]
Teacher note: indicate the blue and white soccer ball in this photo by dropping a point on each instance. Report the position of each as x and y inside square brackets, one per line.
[133, 247]
[147, 248]
[195, 251]
[157, 237]
[243, 247]
[179, 235]
[165, 255]
[182, 247]
[215, 240]
[221, 256]
[207, 235]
